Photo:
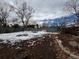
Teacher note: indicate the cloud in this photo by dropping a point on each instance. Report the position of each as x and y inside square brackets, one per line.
[48, 8]
[44, 8]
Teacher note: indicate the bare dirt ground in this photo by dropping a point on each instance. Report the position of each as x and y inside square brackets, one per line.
[71, 44]
[50, 46]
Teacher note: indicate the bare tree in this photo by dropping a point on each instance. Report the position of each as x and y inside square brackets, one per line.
[29, 14]
[24, 12]
[4, 13]
[73, 5]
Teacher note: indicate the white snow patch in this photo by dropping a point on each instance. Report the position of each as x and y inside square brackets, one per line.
[19, 36]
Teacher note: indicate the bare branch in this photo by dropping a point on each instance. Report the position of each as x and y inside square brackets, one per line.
[24, 12]
[73, 5]
[4, 13]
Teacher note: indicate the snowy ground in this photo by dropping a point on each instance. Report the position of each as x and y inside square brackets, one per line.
[19, 36]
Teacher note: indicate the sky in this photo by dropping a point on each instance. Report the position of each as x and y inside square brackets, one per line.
[45, 9]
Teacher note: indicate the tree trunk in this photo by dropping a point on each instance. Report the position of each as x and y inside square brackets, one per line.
[27, 22]
[23, 21]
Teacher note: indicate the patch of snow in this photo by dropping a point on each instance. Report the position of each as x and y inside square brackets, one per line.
[33, 43]
[73, 43]
[19, 36]
[18, 48]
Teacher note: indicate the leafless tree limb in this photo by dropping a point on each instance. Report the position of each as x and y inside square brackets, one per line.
[24, 12]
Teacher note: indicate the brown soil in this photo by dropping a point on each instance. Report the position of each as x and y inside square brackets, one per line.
[44, 47]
